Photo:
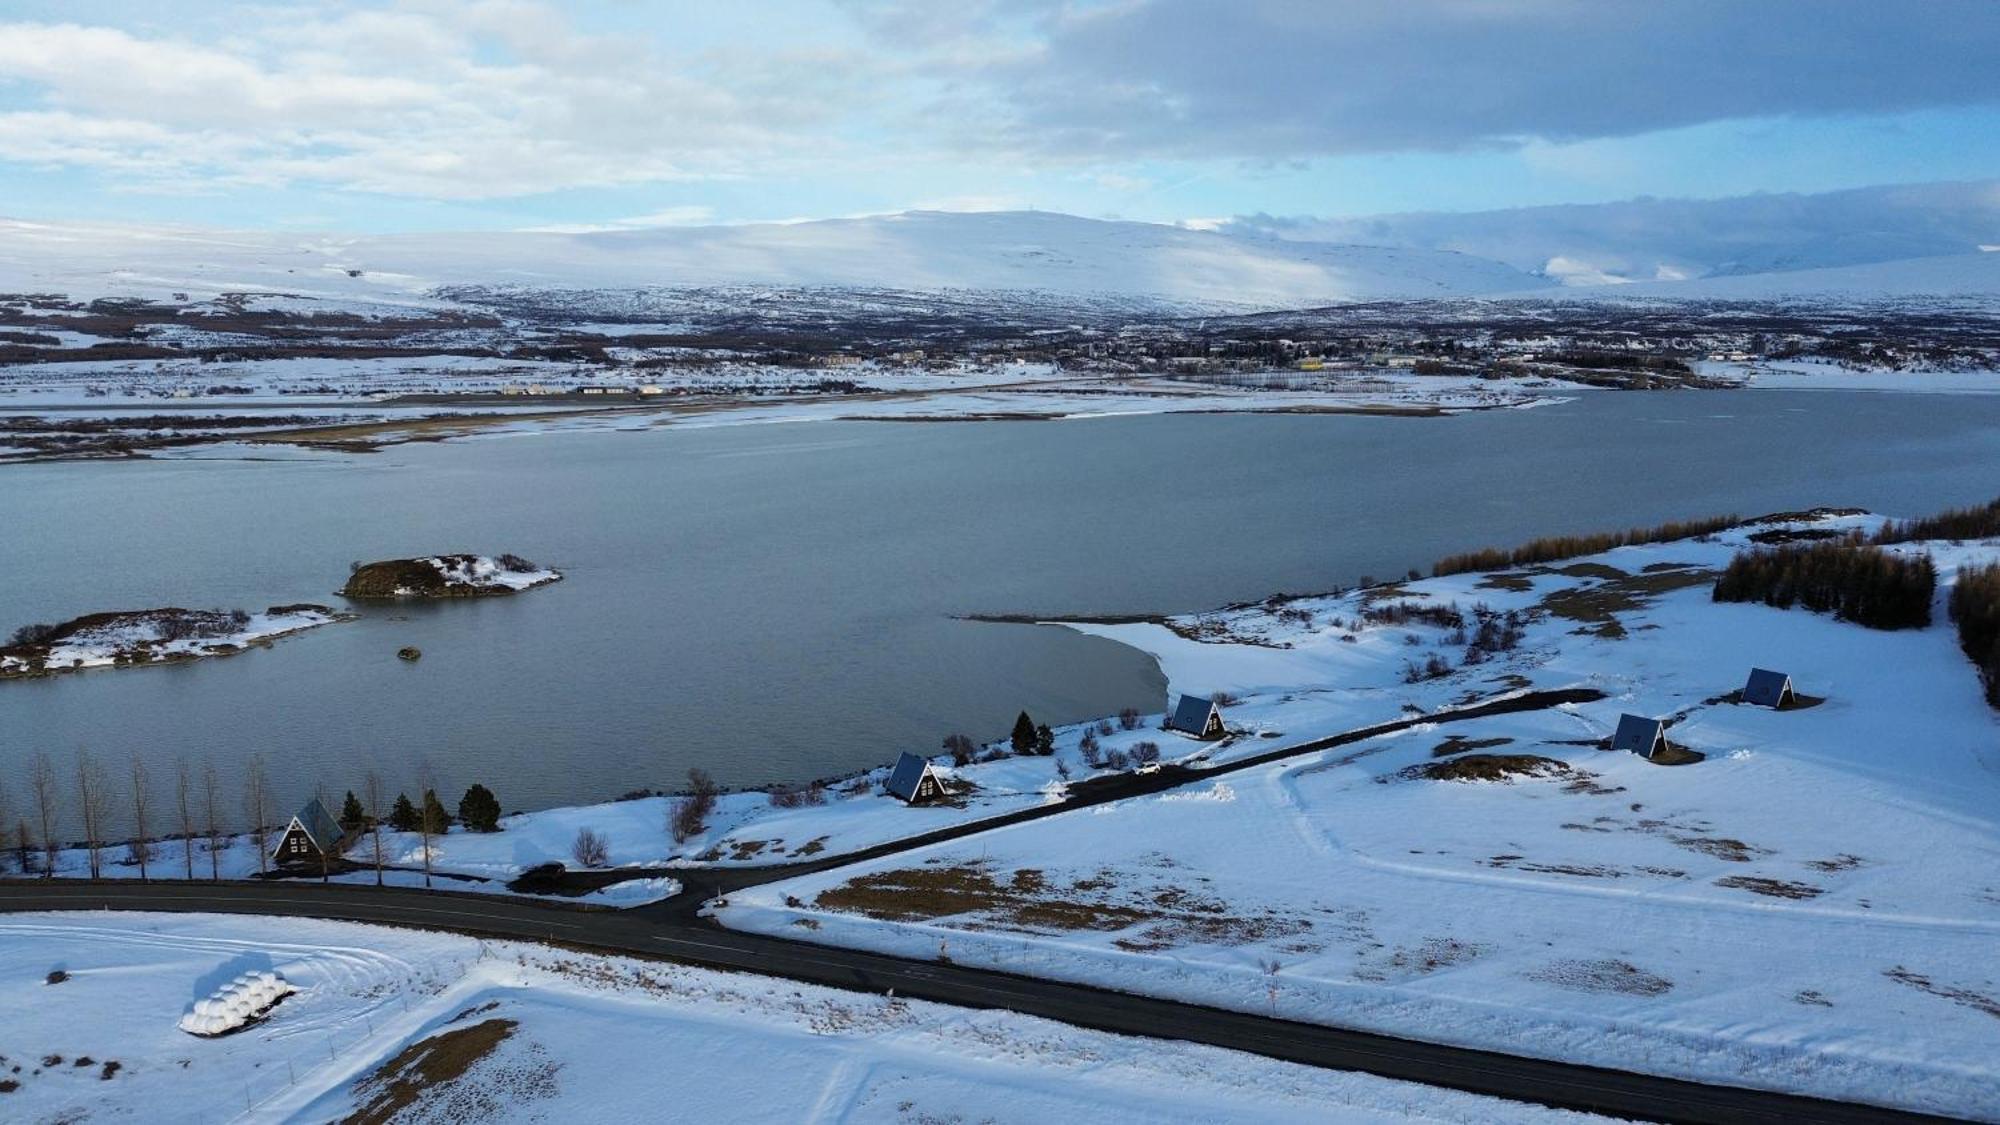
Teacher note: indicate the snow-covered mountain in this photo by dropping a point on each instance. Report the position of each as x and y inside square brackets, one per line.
[1973, 276]
[1644, 240]
[1032, 251]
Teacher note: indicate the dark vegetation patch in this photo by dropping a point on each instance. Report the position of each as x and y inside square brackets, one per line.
[1780, 535]
[1966, 997]
[1487, 767]
[1028, 901]
[1596, 607]
[1978, 522]
[1557, 548]
[424, 1067]
[1975, 609]
[1865, 585]
[1718, 847]
[421, 578]
[1841, 862]
[1604, 975]
[1459, 744]
[1770, 888]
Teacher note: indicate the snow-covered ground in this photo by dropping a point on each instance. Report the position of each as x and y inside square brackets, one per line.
[1811, 374]
[1009, 251]
[521, 1032]
[140, 638]
[1813, 907]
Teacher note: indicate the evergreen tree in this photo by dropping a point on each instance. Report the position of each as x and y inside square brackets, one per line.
[1023, 737]
[351, 815]
[403, 817]
[1045, 740]
[434, 814]
[479, 810]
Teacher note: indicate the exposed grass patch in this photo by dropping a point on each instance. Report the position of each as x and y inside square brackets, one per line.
[1597, 607]
[1720, 847]
[424, 1067]
[1459, 744]
[1965, 997]
[1770, 888]
[1488, 767]
[1606, 975]
[1162, 917]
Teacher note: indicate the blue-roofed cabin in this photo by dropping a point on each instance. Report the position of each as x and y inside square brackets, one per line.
[1768, 689]
[1640, 735]
[1197, 716]
[914, 780]
[312, 838]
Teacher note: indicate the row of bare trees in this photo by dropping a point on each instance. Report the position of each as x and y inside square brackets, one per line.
[194, 815]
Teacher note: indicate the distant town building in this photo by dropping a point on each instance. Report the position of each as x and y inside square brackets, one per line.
[1641, 735]
[914, 780]
[1197, 716]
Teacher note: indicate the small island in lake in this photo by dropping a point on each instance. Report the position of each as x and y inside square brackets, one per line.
[136, 638]
[446, 576]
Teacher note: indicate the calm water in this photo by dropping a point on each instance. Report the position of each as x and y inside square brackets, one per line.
[776, 602]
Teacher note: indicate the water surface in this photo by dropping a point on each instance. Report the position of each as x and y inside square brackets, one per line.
[778, 601]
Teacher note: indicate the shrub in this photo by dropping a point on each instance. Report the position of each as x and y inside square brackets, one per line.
[1222, 699]
[1145, 753]
[797, 796]
[403, 815]
[590, 849]
[1865, 585]
[1023, 738]
[33, 634]
[960, 748]
[1128, 719]
[1975, 607]
[1045, 740]
[1104, 726]
[1434, 668]
[1093, 756]
[1117, 760]
[1559, 547]
[688, 816]
[1402, 613]
[1979, 522]
[479, 809]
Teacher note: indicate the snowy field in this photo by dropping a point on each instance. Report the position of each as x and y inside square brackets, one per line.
[1811, 907]
[436, 1027]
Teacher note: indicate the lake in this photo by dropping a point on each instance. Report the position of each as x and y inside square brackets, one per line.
[778, 602]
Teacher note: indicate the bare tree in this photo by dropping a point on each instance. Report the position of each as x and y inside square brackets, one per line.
[93, 801]
[184, 806]
[142, 823]
[257, 807]
[591, 848]
[24, 846]
[43, 780]
[371, 788]
[211, 817]
[427, 824]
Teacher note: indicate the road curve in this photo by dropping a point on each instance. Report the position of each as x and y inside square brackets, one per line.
[658, 934]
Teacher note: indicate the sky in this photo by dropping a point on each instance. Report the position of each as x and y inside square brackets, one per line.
[514, 114]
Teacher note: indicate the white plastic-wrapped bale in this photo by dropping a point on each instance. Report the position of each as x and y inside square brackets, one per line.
[236, 1005]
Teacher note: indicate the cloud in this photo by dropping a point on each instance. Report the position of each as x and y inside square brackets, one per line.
[1283, 79]
[484, 100]
[487, 99]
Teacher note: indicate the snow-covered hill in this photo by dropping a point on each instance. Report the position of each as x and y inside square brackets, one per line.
[1972, 277]
[1021, 251]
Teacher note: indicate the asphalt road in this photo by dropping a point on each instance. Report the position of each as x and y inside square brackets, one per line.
[662, 934]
